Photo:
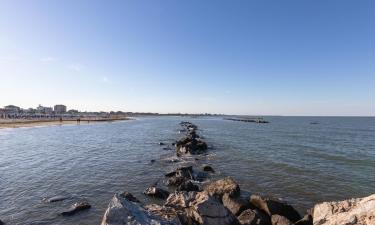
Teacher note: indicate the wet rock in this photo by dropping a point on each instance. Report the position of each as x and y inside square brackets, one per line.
[235, 204]
[120, 211]
[128, 196]
[152, 160]
[220, 187]
[164, 212]
[176, 181]
[275, 207]
[280, 220]
[190, 145]
[208, 168]
[358, 211]
[76, 207]
[156, 192]
[306, 220]
[200, 176]
[1, 222]
[180, 200]
[208, 211]
[55, 199]
[188, 186]
[161, 143]
[253, 217]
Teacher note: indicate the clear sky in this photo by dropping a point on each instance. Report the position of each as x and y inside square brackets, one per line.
[299, 57]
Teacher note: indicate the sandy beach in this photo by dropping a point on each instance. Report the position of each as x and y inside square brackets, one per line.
[35, 123]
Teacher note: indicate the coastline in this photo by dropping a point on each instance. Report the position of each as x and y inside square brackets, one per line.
[53, 122]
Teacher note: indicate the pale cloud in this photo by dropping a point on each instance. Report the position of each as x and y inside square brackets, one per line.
[8, 59]
[48, 59]
[75, 67]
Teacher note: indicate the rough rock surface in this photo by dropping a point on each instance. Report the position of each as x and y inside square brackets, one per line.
[180, 200]
[360, 211]
[206, 210]
[275, 207]
[156, 192]
[306, 220]
[76, 207]
[129, 196]
[235, 204]
[280, 220]
[253, 217]
[120, 211]
[220, 187]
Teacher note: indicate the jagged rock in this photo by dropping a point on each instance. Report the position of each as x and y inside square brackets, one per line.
[207, 210]
[76, 207]
[128, 196]
[55, 199]
[180, 200]
[176, 181]
[280, 220]
[208, 168]
[235, 204]
[188, 186]
[190, 145]
[359, 211]
[275, 207]
[254, 217]
[306, 220]
[165, 212]
[156, 192]
[120, 211]
[220, 187]
[180, 176]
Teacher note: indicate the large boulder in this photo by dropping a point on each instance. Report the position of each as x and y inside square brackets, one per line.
[359, 211]
[235, 204]
[220, 187]
[206, 210]
[306, 220]
[188, 186]
[275, 207]
[254, 217]
[190, 145]
[121, 211]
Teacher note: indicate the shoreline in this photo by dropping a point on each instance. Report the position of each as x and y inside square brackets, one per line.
[4, 124]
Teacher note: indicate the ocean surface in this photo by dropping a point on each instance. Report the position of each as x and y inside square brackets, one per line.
[288, 158]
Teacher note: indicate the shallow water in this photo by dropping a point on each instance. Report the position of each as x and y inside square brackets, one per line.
[287, 158]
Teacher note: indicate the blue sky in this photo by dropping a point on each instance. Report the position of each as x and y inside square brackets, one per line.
[238, 57]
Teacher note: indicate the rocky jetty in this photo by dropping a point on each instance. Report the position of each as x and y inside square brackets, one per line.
[221, 202]
[191, 143]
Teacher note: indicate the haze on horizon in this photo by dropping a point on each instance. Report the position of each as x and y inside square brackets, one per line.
[233, 57]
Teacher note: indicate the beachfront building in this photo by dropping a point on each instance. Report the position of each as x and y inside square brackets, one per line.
[44, 110]
[59, 109]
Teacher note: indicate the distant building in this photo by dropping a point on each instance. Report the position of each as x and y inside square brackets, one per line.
[44, 110]
[73, 111]
[12, 109]
[59, 109]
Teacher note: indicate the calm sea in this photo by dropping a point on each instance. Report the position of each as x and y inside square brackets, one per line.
[288, 158]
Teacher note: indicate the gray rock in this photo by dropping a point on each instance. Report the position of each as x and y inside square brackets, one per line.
[128, 196]
[180, 200]
[235, 204]
[76, 207]
[359, 211]
[156, 192]
[206, 210]
[220, 187]
[280, 220]
[306, 220]
[1, 222]
[55, 199]
[120, 211]
[254, 217]
[188, 186]
[275, 207]
[208, 168]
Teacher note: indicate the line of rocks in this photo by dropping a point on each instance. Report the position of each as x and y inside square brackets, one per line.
[221, 202]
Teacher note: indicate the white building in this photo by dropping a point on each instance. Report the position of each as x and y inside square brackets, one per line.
[59, 109]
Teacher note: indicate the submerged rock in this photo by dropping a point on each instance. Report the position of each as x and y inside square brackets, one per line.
[156, 192]
[208, 211]
[76, 207]
[275, 207]
[359, 211]
[120, 211]
[220, 187]
[208, 168]
[55, 199]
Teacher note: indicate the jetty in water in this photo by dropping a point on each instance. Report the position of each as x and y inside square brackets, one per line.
[248, 120]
